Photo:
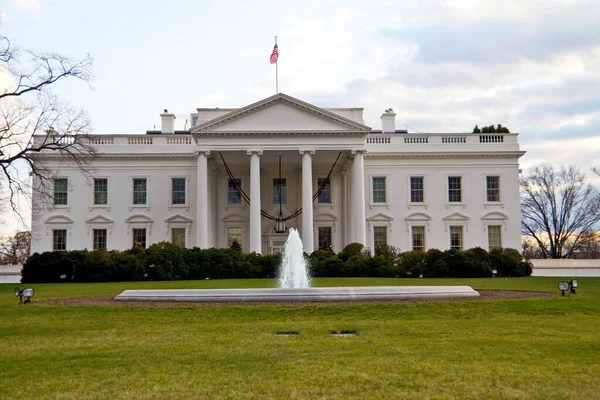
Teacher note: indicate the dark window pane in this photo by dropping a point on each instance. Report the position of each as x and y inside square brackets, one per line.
[139, 238]
[325, 238]
[59, 239]
[416, 189]
[233, 194]
[139, 191]
[61, 187]
[100, 191]
[178, 191]
[276, 191]
[493, 188]
[325, 195]
[99, 239]
[454, 189]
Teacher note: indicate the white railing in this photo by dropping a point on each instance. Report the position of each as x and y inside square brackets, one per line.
[379, 140]
[454, 139]
[416, 139]
[457, 140]
[179, 140]
[139, 140]
[102, 140]
[491, 138]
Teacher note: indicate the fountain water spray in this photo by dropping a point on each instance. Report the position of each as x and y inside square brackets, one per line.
[293, 272]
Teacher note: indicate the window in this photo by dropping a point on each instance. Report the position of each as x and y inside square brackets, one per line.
[59, 239]
[139, 238]
[60, 192]
[379, 237]
[278, 247]
[139, 191]
[417, 190]
[99, 239]
[493, 188]
[325, 195]
[454, 189]
[100, 191]
[276, 198]
[379, 190]
[418, 238]
[178, 236]
[456, 237]
[234, 233]
[233, 194]
[324, 238]
[178, 191]
[494, 237]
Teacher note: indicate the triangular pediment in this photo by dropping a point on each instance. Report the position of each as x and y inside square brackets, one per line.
[380, 217]
[178, 218]
[456, 217]
[99, 219]
[58, 219]
[281, 113]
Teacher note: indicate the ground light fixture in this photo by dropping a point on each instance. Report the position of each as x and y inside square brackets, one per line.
[28, 293]
[563, 286]
[573, 284]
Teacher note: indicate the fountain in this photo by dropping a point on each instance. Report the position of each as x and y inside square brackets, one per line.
[294, 285]
[293, 272]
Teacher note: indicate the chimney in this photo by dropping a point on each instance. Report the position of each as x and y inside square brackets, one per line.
[388, 121]
[168, 122]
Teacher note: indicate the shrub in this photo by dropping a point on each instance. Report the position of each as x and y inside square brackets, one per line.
[413, 262]
[509, 262]
[166, 261]
[353, 249]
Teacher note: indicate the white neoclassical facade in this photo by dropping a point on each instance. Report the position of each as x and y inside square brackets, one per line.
[235, 172]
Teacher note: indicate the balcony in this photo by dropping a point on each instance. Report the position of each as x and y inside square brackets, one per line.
[442, 142]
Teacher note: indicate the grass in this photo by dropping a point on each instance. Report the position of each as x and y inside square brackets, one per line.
[530, 348]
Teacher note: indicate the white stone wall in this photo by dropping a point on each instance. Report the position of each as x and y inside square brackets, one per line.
[436, 171]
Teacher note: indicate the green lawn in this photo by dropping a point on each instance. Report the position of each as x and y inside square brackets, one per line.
[531, 348]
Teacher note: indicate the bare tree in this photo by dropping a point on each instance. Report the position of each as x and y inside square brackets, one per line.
[16, 249]
[34, 121]
[559, 211]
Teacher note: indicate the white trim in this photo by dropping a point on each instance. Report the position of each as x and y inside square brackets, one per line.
[409, 203]
[463, 184]
[67, 206]
[418, 218]
[106, 206]
[387, 191]
[179, 221]
[139, 206]
[500, 191]
[316, 203]
[99, 222]
[186, 205]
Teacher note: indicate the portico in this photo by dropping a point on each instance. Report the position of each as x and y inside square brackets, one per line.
[300, 133]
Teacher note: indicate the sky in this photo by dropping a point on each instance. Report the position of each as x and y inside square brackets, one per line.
[443, 66]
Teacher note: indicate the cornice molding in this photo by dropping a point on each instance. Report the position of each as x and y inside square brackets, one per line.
[475, 154]
[211, 134]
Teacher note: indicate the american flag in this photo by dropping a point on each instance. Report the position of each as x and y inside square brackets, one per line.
[274, 54]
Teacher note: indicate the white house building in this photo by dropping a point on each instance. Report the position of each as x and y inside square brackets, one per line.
[220, 181]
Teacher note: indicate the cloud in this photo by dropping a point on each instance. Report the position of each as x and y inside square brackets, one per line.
[27, 5]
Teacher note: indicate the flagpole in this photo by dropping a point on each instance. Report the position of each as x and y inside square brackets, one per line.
[276, 72]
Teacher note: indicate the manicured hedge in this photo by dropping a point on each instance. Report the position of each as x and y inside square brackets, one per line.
[166, 261]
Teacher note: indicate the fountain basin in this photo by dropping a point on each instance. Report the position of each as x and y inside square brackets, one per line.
[325, 294]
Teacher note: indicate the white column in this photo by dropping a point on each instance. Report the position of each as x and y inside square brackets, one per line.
[358, 197]
[307, 203]
[344, 207]
[255, 217]
[202, 200]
